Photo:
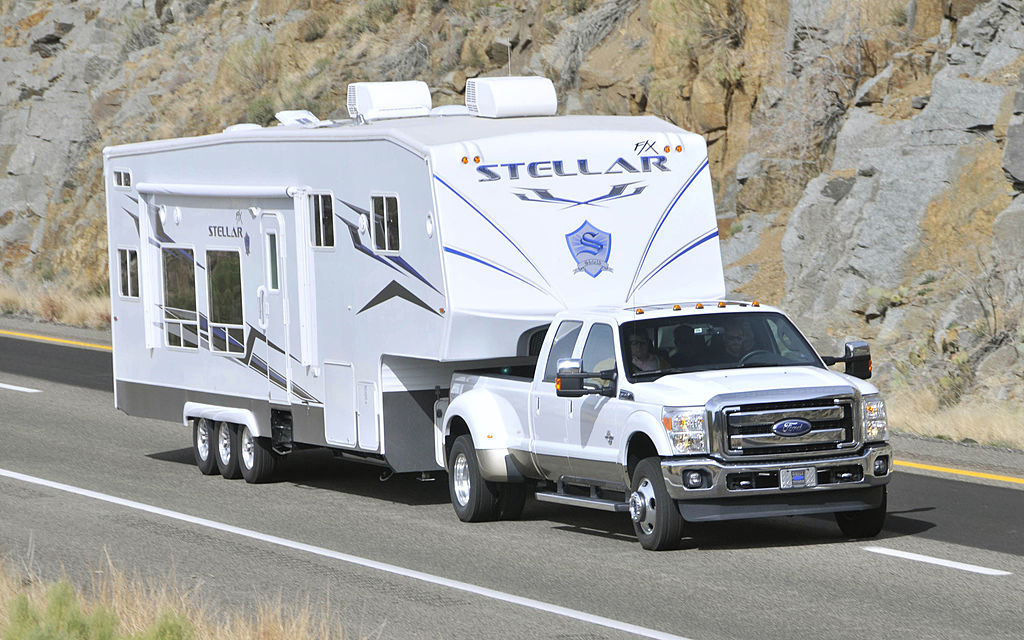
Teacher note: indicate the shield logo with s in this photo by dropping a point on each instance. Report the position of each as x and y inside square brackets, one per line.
[590, 248]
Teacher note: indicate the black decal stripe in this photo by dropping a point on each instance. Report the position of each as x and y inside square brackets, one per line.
[395, 290]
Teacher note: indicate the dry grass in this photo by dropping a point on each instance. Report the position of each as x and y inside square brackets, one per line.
[156, 609]
[56, 303]
[920, 412]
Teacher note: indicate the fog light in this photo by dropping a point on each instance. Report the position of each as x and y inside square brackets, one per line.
[882, 466]
[693, 479]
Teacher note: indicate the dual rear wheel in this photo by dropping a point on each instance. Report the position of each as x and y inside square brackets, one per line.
[231, 450]
[476, 499]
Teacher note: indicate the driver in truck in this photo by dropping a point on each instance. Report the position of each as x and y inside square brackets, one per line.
[643, 356]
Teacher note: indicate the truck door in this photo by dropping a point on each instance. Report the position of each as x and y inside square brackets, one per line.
[595, 426]
[272, 304]
[549, 414]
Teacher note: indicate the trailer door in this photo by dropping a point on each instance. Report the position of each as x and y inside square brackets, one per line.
[273, 317]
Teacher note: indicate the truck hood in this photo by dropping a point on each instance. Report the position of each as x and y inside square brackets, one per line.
[695, 389]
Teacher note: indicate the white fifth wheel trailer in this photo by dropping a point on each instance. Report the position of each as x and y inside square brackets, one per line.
[319, 282]
[383, 287]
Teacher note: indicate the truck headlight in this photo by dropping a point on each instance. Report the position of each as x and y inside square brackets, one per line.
[687, 429]
[876, 425]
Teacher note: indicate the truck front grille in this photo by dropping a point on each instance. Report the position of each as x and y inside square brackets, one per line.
[749, 427]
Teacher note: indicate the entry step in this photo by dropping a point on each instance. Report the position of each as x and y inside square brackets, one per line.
[582, 501]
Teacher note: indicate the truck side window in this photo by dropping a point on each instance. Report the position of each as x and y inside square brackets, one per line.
[224, 283]
[128, 259]
[322, 210]
[180, 318]
[386, 235]
[561, 347]
[599, 352]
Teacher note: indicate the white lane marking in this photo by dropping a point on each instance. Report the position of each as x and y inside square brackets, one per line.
[973, 568]
[14, 387]
[356, 560]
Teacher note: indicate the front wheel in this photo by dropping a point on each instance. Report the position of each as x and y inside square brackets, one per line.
[474, 499]
[863, 524]
[656, 518]
[256, 459]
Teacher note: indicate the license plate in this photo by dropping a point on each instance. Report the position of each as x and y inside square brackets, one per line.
[798, 478]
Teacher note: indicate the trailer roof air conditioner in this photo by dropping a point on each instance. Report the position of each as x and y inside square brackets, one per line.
[511, 97]
[379, 100]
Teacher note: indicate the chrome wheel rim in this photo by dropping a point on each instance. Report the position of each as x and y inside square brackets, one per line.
[643, 507]
[224, 444]
[203, 440]
[248, 444]
[460, 479]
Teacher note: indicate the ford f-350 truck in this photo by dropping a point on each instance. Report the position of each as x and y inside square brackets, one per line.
[687, 412]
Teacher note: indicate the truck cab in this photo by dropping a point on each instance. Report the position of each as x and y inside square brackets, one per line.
[684, 412]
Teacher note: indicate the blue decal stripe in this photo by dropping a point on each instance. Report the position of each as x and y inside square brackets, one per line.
[493, 266]
[400, 261]
[496, 227]
[685, 249]
[661, 222]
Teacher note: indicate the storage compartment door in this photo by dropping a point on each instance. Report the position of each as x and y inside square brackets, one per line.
[366, 415]
[339, 404]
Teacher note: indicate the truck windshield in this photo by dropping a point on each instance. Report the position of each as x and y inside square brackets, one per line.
[659, 346]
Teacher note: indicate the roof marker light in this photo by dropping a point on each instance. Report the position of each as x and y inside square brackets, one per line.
[699, 306]
[465, 160]
[476, 159]
[676, 307]
[639, 312]
[679, 148]
[721, 305]
[755, 303]
[667, 148]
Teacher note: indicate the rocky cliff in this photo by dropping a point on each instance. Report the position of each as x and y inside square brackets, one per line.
[868, 155]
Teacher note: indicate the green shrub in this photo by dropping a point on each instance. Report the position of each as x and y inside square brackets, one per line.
[261, 111]
[313, 27]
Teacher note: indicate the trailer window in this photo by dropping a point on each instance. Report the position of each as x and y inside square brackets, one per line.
[561, 347]
[224, 283]
[122, 178]
[128, 261]
[272, 261]
[385, 223]
[180, 318]
[322, 207]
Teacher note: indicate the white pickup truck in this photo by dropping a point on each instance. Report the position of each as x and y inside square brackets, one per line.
[676, 413]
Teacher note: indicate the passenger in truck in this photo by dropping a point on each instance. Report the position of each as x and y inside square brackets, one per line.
[690, 348]
[643, 356]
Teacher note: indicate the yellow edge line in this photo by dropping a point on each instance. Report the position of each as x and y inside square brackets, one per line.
[76, 343]
[958, 472]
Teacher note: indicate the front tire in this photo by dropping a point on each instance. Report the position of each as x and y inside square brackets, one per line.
[863, 524]
[656, 518]
[204, 439]
[474, 499]
[256, 459]
[227, 451]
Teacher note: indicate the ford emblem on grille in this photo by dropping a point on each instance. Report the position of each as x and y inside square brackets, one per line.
[791, 428]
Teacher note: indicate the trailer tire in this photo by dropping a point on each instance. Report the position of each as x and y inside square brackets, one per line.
[656, 518]
[256, 458]
[511, 500]
[474, 499]
[863, 524]
[227, 451]
[204, 439]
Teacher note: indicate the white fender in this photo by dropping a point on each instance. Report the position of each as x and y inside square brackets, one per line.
[641, 421]
[492, 420]
[222, 414]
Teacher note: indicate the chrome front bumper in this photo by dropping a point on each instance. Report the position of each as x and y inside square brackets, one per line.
[763, 479]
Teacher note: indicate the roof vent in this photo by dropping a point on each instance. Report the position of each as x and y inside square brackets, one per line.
[511, 97]
[297, 118]
[242, 126]
[379, 100]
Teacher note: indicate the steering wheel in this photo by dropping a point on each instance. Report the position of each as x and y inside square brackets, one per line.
[755, 352]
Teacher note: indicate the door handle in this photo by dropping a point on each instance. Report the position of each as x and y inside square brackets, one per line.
[262, 311]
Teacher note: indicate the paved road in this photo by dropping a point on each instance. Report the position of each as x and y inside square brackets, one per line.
[779, 578]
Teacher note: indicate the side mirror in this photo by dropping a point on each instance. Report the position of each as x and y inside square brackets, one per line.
[568, 381]
[857, 359]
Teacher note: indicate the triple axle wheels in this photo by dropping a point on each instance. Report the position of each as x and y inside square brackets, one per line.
[232, 451]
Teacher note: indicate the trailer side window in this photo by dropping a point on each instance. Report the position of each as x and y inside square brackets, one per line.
[180, 317]
[272, 277]
[122, 178]
[128, 260]
[385, 223]
[224, 283]
[561, 347]
[322, 208]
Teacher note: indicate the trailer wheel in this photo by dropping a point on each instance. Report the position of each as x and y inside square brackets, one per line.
[256, 459]
[863, 524]
[511, 500]
[204, 438]
[474, 499]
[656, 518]
[227, 451]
